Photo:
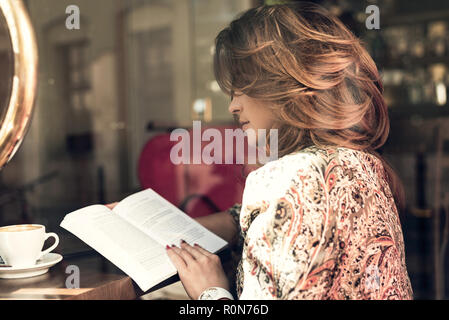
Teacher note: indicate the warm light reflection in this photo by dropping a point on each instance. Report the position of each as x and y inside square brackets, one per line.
[51, 291]
[441, 94]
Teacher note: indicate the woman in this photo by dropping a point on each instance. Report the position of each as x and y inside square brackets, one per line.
[321, 222]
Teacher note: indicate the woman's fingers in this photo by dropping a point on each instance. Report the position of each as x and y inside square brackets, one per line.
[177, 260]
[186, 255]
[197, 254]
[203, 251]
[111, 205]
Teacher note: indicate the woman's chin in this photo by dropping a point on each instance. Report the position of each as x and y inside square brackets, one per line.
[251, 135]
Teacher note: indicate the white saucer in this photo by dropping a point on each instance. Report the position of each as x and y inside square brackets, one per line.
[41, 267]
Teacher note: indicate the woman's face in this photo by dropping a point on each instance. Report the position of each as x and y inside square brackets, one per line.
[251, 113]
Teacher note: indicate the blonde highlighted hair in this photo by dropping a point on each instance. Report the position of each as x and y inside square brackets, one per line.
[322, 84]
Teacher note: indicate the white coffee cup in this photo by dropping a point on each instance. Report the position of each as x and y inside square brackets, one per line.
[21, 245]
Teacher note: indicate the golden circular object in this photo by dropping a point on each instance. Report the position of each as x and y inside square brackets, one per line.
[17, 108]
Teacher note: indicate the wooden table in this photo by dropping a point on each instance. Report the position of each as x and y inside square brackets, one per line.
[99, 279]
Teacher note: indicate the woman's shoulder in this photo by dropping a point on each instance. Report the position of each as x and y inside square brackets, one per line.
[275, 176]
[313, 157]
[314, 162]
[277, 172]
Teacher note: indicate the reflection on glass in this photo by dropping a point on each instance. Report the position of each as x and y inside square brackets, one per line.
[6, 66]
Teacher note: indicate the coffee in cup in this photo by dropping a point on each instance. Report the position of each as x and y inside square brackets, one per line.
[21, 245]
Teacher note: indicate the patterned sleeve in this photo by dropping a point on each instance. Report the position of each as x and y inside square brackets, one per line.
[291, 251]
[235, 249]
[234, 211]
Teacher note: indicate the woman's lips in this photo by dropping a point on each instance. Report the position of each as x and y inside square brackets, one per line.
[244, 124]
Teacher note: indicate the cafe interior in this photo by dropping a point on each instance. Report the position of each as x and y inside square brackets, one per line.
[98, 98]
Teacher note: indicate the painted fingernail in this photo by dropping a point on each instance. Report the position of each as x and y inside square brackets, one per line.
[167, 247]
[182, 241]
[196, 244]
[173, 246]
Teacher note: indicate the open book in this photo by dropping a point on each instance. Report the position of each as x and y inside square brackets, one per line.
[134, 234]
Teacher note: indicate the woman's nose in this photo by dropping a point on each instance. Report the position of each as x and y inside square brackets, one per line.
[235, 106]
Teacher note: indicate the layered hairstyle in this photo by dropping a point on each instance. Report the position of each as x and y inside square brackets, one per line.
[321, 83]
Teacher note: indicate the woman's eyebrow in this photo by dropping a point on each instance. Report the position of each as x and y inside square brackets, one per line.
[236, 93]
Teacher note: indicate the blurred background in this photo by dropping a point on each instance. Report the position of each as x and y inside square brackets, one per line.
[110, 92]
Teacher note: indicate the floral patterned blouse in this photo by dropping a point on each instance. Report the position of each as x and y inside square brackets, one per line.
[320, 223]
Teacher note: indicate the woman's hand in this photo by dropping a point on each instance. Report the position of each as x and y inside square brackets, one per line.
[198, 269]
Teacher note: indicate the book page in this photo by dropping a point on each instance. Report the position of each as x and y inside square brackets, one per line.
[130, 249]
[157, 217]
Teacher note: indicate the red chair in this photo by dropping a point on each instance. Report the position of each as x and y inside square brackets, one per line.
[197, 189]
[156, 171]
